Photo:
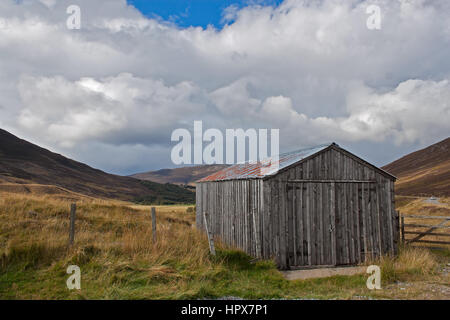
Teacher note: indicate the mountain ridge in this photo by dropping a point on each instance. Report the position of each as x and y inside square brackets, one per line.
[180, 176]
[22, 163]
[425, 172]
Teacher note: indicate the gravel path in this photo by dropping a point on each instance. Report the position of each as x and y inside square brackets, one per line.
[433, 201]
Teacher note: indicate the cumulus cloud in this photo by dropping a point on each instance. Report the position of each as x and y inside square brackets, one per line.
[413, 111]
[119, 110]
[311, 68]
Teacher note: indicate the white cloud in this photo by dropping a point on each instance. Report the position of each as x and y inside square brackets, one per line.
[120, 109]
[48, 3]
[309, 67]
[414, 111]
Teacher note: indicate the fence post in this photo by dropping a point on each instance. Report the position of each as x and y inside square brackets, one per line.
[403, 229]
[212, 249]
[73, 209]
[154, 224]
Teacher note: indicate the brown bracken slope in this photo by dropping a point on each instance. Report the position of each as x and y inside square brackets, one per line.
[183, 176]
[25, 164]
[425, 172]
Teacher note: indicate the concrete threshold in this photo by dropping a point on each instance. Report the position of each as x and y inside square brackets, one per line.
[322, 272]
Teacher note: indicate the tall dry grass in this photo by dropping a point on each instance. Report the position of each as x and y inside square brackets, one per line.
[34, 231]
[114, 249]
[411, 263]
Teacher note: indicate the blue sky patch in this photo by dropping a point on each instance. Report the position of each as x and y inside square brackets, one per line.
[185, 13]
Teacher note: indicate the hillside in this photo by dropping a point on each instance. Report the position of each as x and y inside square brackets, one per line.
[183, 176]
[25, 164]
[424, 172]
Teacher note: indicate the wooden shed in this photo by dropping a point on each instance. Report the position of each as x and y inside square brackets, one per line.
[322, 206]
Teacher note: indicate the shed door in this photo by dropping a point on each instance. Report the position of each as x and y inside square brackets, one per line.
[310, 224]
[356, 223]
[323, 224]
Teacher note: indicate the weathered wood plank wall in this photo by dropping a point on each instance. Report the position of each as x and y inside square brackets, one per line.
[230, 206]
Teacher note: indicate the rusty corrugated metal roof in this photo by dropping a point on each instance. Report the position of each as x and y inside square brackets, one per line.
[265, 167]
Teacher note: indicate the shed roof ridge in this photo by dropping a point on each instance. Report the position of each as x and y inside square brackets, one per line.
[252, 170]
[308, 148]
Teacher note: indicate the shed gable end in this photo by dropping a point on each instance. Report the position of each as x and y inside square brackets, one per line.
[333, 163]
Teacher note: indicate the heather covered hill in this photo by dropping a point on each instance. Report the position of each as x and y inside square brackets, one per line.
[424, 172]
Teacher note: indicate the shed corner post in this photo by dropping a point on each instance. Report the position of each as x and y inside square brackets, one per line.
[212, 248]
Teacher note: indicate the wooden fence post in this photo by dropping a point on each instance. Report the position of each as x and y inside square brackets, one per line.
[212, 249]
[73, 209]
[154, 224]
[403, 228]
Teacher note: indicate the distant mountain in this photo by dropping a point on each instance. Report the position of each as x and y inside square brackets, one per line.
[180, 176]
[425, 172]
[25, 164]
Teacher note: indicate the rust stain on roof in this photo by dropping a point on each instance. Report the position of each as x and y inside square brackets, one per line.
[266, 167]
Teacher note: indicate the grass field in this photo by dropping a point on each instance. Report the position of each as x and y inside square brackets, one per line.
[114, 250]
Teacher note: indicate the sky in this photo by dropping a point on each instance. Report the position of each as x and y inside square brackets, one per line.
[111, 93]
[187, 13]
